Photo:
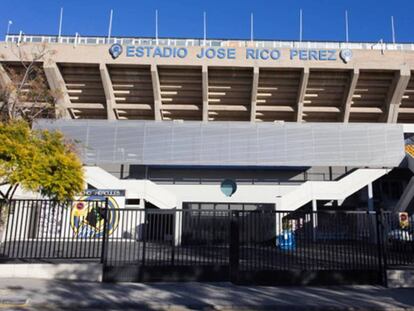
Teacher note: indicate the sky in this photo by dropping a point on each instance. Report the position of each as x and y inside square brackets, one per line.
[323, 20]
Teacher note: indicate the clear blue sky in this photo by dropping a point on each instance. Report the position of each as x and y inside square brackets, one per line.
[274, 19]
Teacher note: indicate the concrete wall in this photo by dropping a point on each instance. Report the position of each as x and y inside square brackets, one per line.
[91, 272]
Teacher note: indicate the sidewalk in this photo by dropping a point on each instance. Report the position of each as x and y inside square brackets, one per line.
[30, 294]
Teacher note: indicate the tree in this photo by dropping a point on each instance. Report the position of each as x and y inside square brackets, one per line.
[38, 161]
[35, 160]
[27, 96]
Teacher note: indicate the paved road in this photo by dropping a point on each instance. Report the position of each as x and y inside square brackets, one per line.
[30, 294]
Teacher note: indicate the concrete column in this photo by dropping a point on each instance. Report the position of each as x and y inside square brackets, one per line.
[301, 93]
[157, 92]
[349, 94]
[255, 84]
[204, 73]
[396, 92]
[57, 83]
[109, 92]
[141, 203]
[5, 80]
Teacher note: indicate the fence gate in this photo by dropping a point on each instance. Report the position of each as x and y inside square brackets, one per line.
[168, 245]
[306, 248]
[246, 247]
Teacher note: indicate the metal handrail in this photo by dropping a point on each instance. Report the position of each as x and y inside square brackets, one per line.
[85, 40]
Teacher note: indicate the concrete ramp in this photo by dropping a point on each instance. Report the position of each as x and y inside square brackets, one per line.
[140, 189]
[329, 190]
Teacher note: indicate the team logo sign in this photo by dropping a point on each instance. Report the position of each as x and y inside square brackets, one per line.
[115, 50]
[346, 55]
[87, 217]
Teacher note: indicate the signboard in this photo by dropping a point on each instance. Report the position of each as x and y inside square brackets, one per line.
[229, 53]
[87, 217]
[404, 220]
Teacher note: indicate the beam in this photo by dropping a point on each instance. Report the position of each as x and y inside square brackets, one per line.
[56, 83]
[85, 106]
[109, 92]
[366, 110]
[275, 108]
[348, 95]
[255, 85]
[405, 110]
[204, 73]
[228, 108]
[396, 92]
[321, 109]
[156, 87]
[304, 78]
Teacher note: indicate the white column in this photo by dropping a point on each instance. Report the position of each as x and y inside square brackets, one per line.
[314, 217]
[370, 198]
[178, 224]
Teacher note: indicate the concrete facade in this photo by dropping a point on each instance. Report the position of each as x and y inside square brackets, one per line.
[312, 85]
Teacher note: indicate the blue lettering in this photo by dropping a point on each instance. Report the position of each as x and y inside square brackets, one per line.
[275, 54]
[157, 52]
[182, 52]
[130, 51]
[221, 53]
[149, 48]
[167, 52]
[264, 54]
[331, 54]
[210, 53]
[313, 54]
[250, 54]
[303, 55]
[139, 51]
[231, 53]
[293, 53]
[322, 55]
[201, 54]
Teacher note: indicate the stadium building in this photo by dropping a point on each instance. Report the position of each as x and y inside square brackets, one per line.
[231, 124]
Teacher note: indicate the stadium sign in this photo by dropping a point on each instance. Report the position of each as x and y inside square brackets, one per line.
[231, 53]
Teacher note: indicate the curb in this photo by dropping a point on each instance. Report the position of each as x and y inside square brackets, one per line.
[205, 307]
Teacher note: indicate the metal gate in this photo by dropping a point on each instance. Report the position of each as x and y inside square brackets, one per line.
[308, 248]
[242, 246]
[261, 247]
[168, 245]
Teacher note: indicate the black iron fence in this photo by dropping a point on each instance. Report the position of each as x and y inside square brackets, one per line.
[153, 244]
[45, 229]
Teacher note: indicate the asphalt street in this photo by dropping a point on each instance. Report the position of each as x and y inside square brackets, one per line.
[33, 294]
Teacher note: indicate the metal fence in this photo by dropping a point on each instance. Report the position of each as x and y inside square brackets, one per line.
[78, 39]
[217, 245]
[45, 229]
[398, 240]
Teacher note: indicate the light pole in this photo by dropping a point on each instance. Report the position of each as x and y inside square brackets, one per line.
[8, 27]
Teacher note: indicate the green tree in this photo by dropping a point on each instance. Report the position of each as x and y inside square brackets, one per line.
[38, 161]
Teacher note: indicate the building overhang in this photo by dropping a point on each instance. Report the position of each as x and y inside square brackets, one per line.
[234, 143]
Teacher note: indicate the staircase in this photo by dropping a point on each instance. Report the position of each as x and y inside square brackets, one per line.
[328, 190]
[140, 189]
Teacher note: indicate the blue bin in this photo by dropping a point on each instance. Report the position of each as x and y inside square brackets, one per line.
[286, 241]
